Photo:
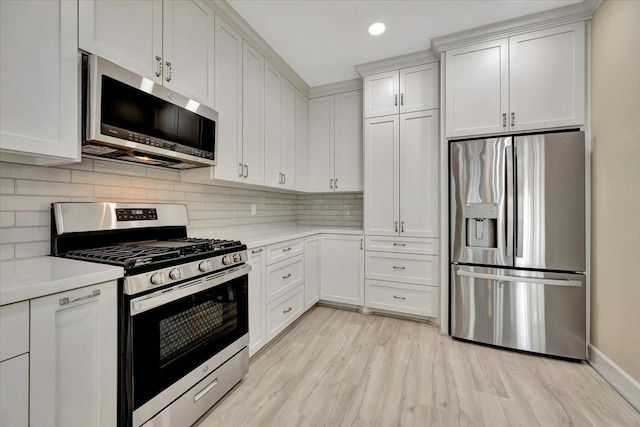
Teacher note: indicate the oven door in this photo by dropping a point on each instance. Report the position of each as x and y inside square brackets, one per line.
[173, 331]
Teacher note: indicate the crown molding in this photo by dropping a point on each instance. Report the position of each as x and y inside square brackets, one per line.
[334, 88]
[222, 8]
[396, 62]
[537, 21]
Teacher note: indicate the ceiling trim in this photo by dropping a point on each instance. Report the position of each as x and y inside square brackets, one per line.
[396, 62]
[256, 41]
[537, 21]
[333, 88]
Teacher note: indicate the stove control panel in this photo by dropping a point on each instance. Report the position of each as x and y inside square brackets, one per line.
[132, 214]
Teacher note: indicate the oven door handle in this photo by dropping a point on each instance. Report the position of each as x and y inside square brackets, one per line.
[156, 299]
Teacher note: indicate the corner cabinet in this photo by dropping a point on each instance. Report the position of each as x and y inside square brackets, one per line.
[39, 82]
[73, 358]
[342, 269]
[525, 82]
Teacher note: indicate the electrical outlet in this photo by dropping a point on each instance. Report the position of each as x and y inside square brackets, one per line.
[254, 210]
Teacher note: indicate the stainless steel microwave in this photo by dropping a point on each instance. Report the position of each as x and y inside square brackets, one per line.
[130, 118]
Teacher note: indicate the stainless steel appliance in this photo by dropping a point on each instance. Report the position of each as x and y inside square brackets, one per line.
[517, 230]
[183, 306]
[130, 118]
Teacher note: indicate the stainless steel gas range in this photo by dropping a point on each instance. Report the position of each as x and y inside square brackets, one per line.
[183, 306]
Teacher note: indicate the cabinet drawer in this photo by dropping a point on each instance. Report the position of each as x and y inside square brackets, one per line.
[284, 250]
[405, 268]
[14, 330]
[405, 245]
[284, 276]
[402, 298]
[283, 311]
[14, 392]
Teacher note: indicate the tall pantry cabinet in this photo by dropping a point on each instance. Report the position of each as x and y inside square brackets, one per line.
[401, 181]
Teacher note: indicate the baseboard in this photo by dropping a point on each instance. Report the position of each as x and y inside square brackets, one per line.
[624, 383]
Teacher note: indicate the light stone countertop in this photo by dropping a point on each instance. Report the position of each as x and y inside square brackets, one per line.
[254, 239]
[28, 278]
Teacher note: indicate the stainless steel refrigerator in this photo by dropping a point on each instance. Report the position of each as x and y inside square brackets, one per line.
[517, 230]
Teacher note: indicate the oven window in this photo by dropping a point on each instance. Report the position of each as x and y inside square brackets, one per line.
[170, 341]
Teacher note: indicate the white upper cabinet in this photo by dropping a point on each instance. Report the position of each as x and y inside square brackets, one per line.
[302, 142]
[252, 116]
[39, 82]
[272, 123]
[169, 42]
[530, 81]
[288, 134]
[404, 91]
[335, 143]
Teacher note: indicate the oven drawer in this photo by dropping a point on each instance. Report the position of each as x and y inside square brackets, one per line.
[405, 268]
[14, 330]
[284, 276]
[283, 311]
[284, 250]
[405, 245]
[402, 298]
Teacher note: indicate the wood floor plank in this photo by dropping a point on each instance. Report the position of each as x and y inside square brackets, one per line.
[341, 368]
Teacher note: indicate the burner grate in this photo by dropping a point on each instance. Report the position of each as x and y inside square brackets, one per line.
[124, 255]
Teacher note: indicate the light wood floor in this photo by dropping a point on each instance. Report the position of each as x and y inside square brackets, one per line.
[342, 368]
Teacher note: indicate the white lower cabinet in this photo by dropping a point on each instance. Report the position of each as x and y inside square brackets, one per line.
[402, 298]
[257, 319]
[311, 270]
[73, 358]
[283, 276]
[283, 311]
[14, 392]
[342, 269]
[405, 268]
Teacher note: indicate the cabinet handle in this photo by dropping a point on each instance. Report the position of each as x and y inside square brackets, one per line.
[400, 244]
[396, 226]
[286, 276]
[331, 183]
[240, 170]
[246, 171]
[402, 226]
[395, 99]
[504, 120]
[395, 267]
[335, 184]
[65, 301]
[402, 99]
[284, 178]
[400, 298]
[158, 66]
[287, 310]
[169, 75]
[361, 244]
[513, 119]
[257, 251]
[286, 249]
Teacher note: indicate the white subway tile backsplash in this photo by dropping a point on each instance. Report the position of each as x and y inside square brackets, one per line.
[7, 219]
[165, 174]
[119, 168]
[165, 195]
[7, 186]
[107, 192]
[33, 219]
[14, 170]
[29, 203]
[7, 252]
[84, 177]
[53, 189]
[31, 249]
[24, 234]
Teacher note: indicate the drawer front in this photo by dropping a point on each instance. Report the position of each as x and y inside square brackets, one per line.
[405, 268]
[404, 245]
[284, 276]
[14, 392]
[283, 311]
[284, 250]
[402, 298]
[14, 330]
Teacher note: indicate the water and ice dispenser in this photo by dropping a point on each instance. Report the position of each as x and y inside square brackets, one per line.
[481, 219]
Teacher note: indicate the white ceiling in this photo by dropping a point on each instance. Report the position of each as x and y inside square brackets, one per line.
[322, 40]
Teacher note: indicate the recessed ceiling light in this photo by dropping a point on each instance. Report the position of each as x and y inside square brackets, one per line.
[376, 28]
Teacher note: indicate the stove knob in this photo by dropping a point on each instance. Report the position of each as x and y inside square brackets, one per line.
[204, 266]
[226, 260]
[236, 257]
[157, 279]
[175, 274]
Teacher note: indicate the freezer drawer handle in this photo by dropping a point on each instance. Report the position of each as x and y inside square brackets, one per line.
[205, 390]
[550, 282]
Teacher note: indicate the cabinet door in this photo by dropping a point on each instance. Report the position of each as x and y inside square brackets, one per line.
[477, 89]
[288, 137]
[419, 88]
[73, 366]
[228, 95]
[342, 269]
[381, 176]
[257, 302]
[547, 78]
[272, 111]
[252, 115]
[311, 271]
[14, 391]
[188, 49]
[321, 144]
[39, 106]
[128, 33]
[302, 142]
[348, 141]
[381, 93]
[419, 174]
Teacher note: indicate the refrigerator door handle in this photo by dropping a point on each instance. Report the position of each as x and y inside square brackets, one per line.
[520, 205]
[509, 221]
[542, 281]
